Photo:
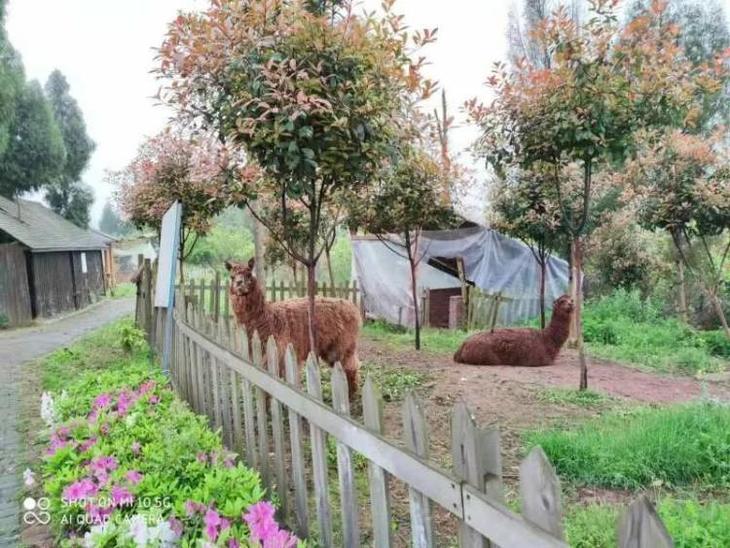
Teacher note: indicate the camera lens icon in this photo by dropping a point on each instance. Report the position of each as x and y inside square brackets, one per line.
[36, 511]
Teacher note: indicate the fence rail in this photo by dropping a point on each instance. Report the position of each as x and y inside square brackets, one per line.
[281, 429]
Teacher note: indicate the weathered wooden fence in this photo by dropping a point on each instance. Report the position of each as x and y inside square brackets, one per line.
[256, 399]
[15, 307]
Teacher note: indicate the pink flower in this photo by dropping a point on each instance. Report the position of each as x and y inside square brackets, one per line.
[125, 401]
[136, 447]
[202, 457]
[88, 444]
[133, 477]
[176, 526]
[98, 514]
[280, 539]
[102, 400]
[233, 543]
[146, 387]
[212, 522]
[55, 445]
[121, 496]
[192, 508]
[93, 416]
[79, 490]
[62, 433]
[154, 400]
[260, 519]
[103, 464]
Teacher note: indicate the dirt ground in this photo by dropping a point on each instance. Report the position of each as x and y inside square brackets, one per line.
[507, 398]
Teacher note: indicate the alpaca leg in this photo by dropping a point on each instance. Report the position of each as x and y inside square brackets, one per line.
[351, 366]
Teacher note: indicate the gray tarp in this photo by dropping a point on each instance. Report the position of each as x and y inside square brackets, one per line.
[495, 263]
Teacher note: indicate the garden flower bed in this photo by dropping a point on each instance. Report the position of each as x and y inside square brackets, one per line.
[128, 464]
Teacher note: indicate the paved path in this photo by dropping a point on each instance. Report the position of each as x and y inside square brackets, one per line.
[16, 348]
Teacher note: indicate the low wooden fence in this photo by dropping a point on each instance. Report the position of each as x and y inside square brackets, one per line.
[215, 296]
[282, 429]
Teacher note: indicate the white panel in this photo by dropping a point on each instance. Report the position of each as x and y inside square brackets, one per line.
[169, 244]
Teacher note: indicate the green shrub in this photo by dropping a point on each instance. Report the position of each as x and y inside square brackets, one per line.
[690, 523]
[131, 338]
[717, 343]
[677, 446]
[583, 398]
[4, 321]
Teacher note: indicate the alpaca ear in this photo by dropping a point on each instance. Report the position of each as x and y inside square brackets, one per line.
[251, 262]
[229, 266]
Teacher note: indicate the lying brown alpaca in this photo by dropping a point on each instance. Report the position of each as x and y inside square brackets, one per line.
[524, 347]
[337, 322]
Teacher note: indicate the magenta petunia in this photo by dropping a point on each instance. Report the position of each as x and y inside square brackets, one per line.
[121, 496]
[260, 520]
[280, 539]
[103, 464]
[102, 400]
[79, 490]
[133, 477]
[98, 514]
[212, 521]
[86, 445]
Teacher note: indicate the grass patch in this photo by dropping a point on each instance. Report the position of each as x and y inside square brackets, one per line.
[626, 328]
[684, 445]
[690, 523]
[111, 347]
[394, 384]
[569, 396]
[125, 290]
[432, 340]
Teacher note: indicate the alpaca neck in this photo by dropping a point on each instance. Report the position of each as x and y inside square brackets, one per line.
[558, 329]
[257, 313]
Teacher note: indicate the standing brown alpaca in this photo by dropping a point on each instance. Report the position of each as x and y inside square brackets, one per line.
[337, 322]
[524, 347]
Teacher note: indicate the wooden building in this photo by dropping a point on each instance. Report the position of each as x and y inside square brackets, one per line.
[48, 265]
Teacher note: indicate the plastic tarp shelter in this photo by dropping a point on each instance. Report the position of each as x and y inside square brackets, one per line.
[493, 262]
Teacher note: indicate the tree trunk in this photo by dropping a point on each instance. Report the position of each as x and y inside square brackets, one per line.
[543, 268]
[329, 265]
[717, 304]
[311, 291]
[414, 290]
[259, 247]
[683, 310]
[573, 292]
[577, 262]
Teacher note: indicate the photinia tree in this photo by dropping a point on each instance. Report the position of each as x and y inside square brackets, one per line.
[582, 109]
[310, 91]
[681, 183]
[407, 198]
[524, 205]
[172, 166]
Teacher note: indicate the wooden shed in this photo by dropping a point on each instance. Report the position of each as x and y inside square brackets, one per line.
[48, 265]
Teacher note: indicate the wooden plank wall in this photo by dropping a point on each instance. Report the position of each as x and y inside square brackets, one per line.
[14, 293]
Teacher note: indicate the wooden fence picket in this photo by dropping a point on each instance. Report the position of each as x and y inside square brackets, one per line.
[318, 441]
[540, 493]
[641, 527]
[345, 467]
[261, 414]
[372, 410]
[296, 432]
[415, 436]
[249, 423]
[277, 431]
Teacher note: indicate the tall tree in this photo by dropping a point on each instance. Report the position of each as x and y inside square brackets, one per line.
[311, 92]
[67, 195]
[582, 111]
[35, 152]
[111, 223]
[11, 83]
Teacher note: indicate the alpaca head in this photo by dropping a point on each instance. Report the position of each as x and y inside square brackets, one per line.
[563, 306]
[243, 279]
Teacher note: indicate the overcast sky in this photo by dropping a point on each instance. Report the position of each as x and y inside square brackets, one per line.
[106, 50]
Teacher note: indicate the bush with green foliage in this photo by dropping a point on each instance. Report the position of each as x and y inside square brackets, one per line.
[625, 327]
[683, 445]
[128, 463]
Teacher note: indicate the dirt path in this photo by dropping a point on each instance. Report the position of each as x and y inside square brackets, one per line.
[18, 347]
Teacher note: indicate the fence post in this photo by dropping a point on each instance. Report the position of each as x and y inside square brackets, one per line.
[641, 527]
[297, 452]
[416, 438]
[217, 297]
[372, 410]
[319, 458]
[540, 493]
[147, 278]
[345, 469]
[277, 429]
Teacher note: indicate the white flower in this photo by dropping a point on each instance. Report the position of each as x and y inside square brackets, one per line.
[28, 478]
[131, 419]
[164, 533]
[91, 539]
[48, 410]
[138, 530]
